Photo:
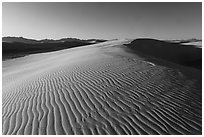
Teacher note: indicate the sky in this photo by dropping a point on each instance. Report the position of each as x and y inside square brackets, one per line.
[102, 20]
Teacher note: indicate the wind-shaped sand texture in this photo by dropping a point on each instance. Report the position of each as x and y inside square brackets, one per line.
[97, 89]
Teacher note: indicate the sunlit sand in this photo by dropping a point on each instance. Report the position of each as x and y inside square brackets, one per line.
[97, 89]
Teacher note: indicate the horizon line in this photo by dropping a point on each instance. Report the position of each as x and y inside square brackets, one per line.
[99, 38]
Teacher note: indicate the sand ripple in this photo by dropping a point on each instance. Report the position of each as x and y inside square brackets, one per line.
[99, 94]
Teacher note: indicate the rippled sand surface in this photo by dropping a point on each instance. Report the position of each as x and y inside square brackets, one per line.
[97, 89]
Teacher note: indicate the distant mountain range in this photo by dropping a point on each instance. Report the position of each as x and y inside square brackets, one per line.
[33, 41]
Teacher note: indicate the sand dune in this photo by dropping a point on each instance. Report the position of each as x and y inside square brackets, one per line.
[97, 89]
[187, 55]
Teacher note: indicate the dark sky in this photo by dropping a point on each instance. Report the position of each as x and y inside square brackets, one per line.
[102, 20]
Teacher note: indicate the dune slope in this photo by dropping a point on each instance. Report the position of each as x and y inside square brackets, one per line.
[187, 55]
[97, 89]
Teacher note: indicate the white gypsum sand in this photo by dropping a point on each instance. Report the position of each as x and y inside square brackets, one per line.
[97, 89]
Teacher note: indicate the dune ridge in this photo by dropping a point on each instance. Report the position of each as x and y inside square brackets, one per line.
[97, 89]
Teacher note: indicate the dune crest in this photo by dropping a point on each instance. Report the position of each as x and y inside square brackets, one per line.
[97, 89]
